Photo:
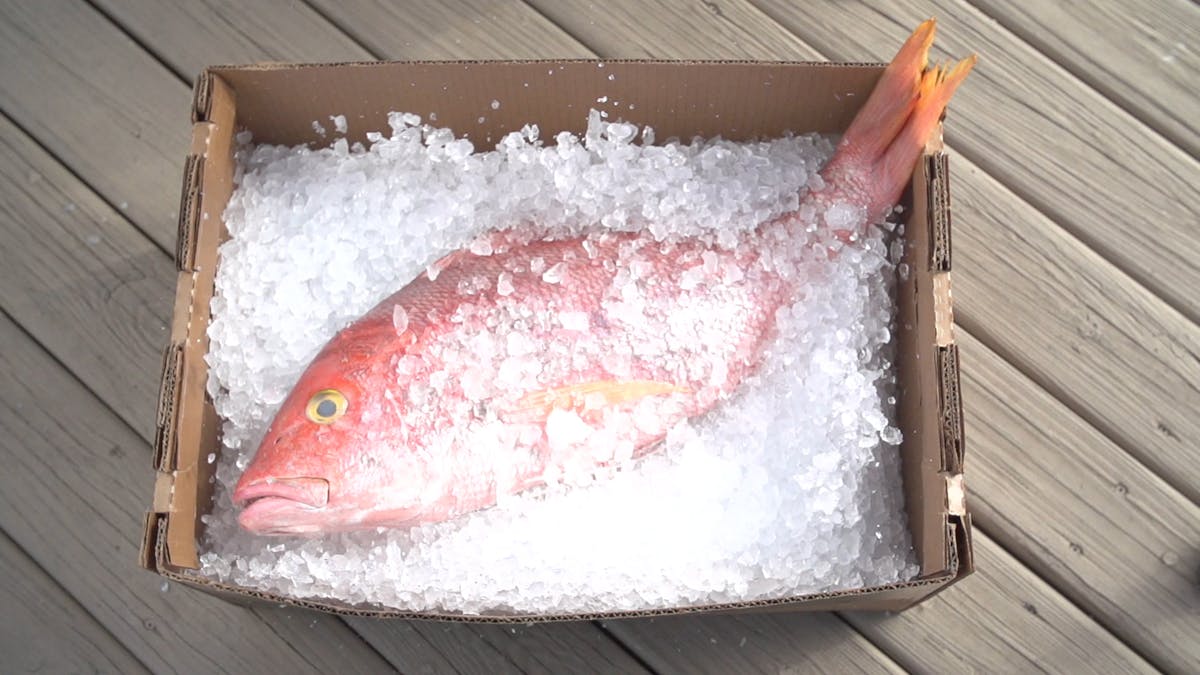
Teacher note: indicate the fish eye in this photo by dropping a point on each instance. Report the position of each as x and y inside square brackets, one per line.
[326, 406]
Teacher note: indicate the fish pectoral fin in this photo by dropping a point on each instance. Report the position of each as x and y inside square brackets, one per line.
[589, 397]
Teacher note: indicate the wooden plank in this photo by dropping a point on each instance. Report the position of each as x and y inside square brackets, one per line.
[1082, 513]
[1060, 145]
[431, 647]
[99, 103]
[1002, 619]
[59, 320]
[1105, 345]
[750, 643]
[82, 279]
[1093, 581]
[982, 624]
[1142, 55]
[190, 36]
[457, 29]
[130, 384]
[67, 498]
[45, 630]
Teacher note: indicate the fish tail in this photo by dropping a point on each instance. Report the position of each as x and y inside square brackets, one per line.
[894, 97]
[887, 135]
[937, 87]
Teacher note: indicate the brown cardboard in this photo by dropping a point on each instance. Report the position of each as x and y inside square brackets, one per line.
[737, 100]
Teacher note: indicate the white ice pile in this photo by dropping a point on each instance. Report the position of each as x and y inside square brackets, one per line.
[790, 487]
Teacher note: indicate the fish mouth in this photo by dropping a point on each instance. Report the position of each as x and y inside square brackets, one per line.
[282, 505]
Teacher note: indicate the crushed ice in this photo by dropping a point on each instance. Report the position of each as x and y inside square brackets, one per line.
[792, 487]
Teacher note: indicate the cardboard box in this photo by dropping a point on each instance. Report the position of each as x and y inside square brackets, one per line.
[737, 100]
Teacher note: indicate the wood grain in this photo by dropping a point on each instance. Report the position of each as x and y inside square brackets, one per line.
[996, 292]
[1105, 346]
[100, 104]
[432, 647]
[1081, 513]
[73, 493]
[658, 29]
[45, 630]
[1142, 55]
[457, 29]
[1025, 474]
[1094, 169]
[1003, 619]
[739, 643]
[1094, 337]
[64, 319]
[82, 279]
[190, 36]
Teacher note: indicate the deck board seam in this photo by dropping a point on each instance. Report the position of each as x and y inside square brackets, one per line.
[1057, 392]
[1026, 36]
[1040, 206]
[1043, 383]
[352, 37]
[345, 30]
[83, 608]
[158, 58]
[7, 117]
[132, 37]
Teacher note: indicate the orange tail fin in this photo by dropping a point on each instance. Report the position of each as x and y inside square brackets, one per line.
[937, 87]
[890, 131]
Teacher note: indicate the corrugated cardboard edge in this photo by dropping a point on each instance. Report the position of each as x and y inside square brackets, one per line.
[181, 476]
[169, 543]
[892, 597]
[937, 172]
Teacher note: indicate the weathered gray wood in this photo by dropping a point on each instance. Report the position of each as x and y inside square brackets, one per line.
[1141, 54]
[431, 647]
[190, 36]
[732, 643]
[101, 104]
[1069, 568]
[71, 497]
[131, 384]
[1060, 145]
[457, 29]
[45, 630]
[1090, 334]
[1102, 344]
[671, 29]
[1003, 619]
[1012, 290]
[81, 278]
[1082, 513]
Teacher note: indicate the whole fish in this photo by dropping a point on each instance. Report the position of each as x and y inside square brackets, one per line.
[518, 362]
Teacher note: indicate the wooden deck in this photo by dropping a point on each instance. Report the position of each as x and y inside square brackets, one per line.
[1077, 263]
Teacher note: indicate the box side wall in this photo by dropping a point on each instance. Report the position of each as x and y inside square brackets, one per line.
[735, 100]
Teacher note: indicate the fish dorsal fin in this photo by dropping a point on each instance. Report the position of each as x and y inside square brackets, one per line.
[593, 396]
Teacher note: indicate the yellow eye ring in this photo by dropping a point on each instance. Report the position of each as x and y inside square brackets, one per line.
[326, 406]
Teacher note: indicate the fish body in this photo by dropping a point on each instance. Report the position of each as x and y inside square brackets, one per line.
[516, 362]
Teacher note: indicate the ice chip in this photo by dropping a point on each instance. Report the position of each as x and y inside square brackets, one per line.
[399, 319]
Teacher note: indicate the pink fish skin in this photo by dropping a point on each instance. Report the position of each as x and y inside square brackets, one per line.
[531, 361]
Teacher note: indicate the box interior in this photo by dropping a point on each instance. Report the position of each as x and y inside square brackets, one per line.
[736, 100]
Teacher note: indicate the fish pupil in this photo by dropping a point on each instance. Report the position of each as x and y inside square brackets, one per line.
[326, 408]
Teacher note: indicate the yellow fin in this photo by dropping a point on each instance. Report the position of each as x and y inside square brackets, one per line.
[591, 396]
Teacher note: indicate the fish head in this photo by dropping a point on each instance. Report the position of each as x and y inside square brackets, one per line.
[330, 459]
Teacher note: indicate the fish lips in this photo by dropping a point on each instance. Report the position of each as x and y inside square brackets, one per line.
[290, 505]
